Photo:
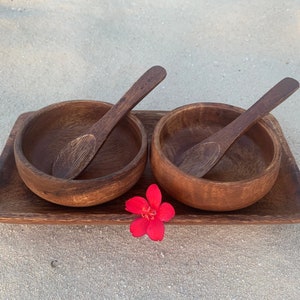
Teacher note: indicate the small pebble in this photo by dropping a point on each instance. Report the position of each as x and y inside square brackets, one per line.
[54, 263]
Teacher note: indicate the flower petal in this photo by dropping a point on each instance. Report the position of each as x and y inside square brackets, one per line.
[156, 230]
[153, 196]
[165, 212]
[138, 227]
[135, 205]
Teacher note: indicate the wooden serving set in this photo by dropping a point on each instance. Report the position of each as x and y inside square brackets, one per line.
[77, 162]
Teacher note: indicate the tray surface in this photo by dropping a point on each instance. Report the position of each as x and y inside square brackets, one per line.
[19, 205]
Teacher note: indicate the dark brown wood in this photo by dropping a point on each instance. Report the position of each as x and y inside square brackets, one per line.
[114, 170]
[203, 156]
[78, 153]
[244, 175]
[19, 205]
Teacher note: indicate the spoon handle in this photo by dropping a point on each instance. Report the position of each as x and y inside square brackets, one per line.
[142, 87]
[276, 95]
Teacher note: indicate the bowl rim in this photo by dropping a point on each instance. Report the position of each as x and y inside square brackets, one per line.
[131, 165]
[161, 123]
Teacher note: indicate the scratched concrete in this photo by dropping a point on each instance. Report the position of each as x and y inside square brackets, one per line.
[224, 51]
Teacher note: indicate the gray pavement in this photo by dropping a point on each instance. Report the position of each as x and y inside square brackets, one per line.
[221, 51]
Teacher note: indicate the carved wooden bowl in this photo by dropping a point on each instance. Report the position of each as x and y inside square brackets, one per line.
[115, 169]
[243, 176]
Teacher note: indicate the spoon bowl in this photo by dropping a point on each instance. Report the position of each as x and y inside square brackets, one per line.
[244, 175]
[114, 170]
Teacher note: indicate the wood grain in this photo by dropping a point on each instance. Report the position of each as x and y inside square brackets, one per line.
[19, 205]
[209, 151]
[114, 170]
[244, 175]
[75, 156]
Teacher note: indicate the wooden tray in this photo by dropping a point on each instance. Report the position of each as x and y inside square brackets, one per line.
[19, 205]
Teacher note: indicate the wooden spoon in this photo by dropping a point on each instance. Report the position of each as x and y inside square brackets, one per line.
[78, 153]
[202, 157]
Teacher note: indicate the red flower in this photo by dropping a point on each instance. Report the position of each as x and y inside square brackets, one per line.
[153, 214]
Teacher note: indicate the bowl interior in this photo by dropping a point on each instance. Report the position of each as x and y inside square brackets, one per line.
[247, 157]
[52, 128]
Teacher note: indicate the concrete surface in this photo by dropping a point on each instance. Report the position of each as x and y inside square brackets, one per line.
[225, 51]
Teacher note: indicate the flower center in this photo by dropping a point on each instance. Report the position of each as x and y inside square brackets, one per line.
[148, 213]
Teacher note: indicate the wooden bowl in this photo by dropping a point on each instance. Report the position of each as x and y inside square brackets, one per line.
[243, 176]
[115, 169]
